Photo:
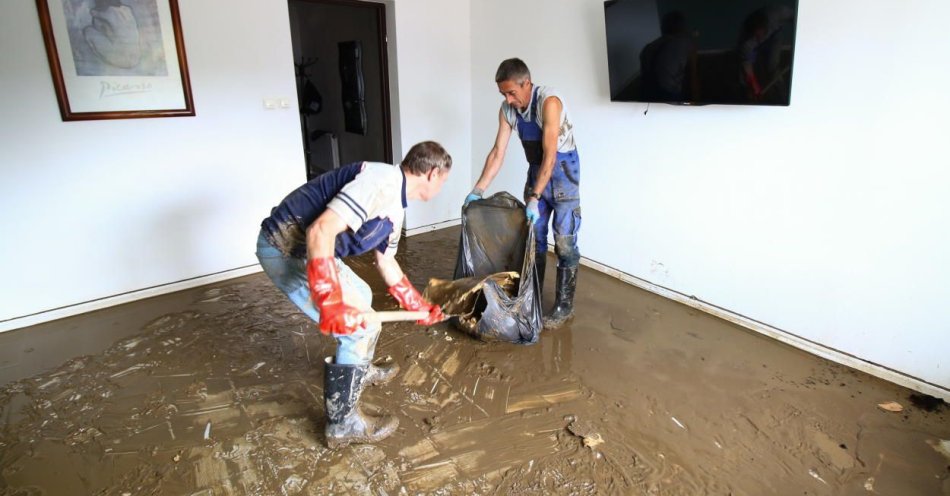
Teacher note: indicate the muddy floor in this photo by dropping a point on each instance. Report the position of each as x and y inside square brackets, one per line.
[218, 391]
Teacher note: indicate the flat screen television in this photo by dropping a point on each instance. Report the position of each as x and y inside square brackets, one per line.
[698, 52]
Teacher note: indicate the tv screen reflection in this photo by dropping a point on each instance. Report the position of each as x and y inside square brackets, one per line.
[700, 52]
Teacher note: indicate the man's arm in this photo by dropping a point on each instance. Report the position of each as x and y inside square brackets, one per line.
[403, 291]
[496, 155]
[389, 268]
[551, 111]
[336, 317]
[321, 235]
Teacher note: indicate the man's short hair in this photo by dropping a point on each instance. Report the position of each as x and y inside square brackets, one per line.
[425, 156]
[512, 70]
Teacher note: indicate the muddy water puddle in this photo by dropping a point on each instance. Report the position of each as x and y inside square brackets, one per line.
[639, 395]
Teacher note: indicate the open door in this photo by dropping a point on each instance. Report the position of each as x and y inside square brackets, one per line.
[342, 82]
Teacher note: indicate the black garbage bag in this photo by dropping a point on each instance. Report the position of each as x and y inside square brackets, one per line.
[496, 239]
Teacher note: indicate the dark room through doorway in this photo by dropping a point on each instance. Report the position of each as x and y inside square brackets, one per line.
[342, 82]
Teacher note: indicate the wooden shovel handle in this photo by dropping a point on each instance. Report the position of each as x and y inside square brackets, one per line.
[395, 316]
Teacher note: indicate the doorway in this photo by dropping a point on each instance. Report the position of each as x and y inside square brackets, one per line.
[342, 82]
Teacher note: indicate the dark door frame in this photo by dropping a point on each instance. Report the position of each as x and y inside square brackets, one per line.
[380, 11]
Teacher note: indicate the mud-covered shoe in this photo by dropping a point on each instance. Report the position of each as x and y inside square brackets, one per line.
[343, 386]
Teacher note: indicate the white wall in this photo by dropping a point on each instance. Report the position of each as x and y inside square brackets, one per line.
[828, 219]
[434, 81]
[96, 209]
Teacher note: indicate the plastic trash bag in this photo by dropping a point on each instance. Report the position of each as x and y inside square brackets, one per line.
[459, 297]
[495, 273]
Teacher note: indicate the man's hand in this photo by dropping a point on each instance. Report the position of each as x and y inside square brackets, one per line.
[435, 316]
[410, 299]
[476, 194]
[531, 210]
[339, 320]
[336, 317]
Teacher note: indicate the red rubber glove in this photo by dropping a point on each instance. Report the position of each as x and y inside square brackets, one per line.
[336, 317]
[410, 299]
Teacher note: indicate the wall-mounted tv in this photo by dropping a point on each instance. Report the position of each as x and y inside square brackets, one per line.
[697, 52]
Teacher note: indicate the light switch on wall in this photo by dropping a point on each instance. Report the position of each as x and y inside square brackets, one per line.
[285, 103]
[270, 103]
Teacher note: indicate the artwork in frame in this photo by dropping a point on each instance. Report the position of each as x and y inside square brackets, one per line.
[116, 59]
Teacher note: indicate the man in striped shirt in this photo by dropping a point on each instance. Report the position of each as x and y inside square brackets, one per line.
[349, 211]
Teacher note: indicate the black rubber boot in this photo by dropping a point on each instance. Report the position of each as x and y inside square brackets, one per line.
[540, 263]
[381, 372]
[343, 386]
[564, 292]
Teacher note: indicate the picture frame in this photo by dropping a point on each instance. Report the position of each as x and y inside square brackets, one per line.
[116, 59]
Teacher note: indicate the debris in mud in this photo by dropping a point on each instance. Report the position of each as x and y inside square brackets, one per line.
[197, 390]
[294, 484]
[585, 431]
[252, 370]
[678, 423]
[926, 402]
[891, 406]
[593, 440]
[83, 436]
[941, 446]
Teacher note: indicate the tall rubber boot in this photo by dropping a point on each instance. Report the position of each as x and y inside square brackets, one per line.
[564, 292]
[381, 372]
[540, 263]
[343, 385]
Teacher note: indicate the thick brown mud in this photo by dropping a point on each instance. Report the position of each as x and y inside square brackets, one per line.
[222, 394]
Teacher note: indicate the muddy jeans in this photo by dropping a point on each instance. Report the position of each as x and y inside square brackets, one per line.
[289, 274]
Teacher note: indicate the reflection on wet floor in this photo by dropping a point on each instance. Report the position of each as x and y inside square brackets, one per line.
[638, 396]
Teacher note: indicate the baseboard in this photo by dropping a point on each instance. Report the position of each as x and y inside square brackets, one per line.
[432, 227]
[786, 337]
[89, 306]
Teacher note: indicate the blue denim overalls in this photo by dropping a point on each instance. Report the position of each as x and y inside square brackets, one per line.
[561, 196]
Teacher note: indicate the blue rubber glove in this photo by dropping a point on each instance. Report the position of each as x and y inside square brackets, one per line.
[531, 211]
[476, 194]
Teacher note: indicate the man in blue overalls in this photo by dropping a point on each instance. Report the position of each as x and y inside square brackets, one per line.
[540, 117]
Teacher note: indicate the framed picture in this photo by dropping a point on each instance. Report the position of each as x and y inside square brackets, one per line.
[116, 59]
